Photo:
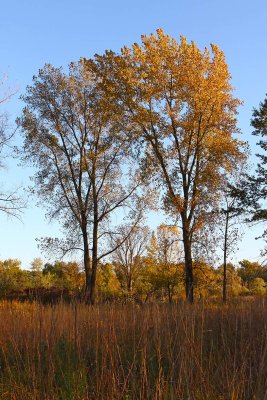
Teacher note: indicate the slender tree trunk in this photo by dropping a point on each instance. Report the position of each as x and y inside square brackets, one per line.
[189, 280]
[86, 263]
[225, 258]
[95, 242]
[94, 262]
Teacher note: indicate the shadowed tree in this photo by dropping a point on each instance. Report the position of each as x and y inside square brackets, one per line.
[252, 192]
[258, 184]
[75, 142]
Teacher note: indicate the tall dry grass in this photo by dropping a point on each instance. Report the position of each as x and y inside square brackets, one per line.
[129, 352]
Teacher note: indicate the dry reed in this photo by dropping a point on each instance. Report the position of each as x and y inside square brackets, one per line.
[76, 352]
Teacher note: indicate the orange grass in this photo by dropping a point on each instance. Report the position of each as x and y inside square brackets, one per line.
[129, 352]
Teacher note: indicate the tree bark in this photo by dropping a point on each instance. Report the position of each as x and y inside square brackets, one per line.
[95, 241]
[225, 258]
[86, 263]
[94, 262]
[189, 279]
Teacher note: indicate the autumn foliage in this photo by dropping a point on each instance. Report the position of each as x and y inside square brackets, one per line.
[180, 109]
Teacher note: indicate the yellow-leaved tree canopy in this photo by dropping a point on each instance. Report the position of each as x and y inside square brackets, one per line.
[181, 114]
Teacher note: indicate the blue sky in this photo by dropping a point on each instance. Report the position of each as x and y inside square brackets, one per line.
[33, 33]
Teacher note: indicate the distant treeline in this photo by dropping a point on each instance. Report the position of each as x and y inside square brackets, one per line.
[151, 281]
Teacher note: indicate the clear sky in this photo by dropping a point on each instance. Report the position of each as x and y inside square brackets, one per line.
[34, 32]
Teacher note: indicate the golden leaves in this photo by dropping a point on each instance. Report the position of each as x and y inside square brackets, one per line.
[178, 99]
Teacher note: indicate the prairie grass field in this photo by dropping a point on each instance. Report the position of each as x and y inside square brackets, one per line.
[125, 352]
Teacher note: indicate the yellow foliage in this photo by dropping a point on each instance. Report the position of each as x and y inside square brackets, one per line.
[179, 99]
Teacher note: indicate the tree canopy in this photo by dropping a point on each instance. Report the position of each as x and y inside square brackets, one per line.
[77, 146]
[181, 113]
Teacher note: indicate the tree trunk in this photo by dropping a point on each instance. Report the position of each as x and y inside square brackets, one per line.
[189, 280]
[94, 262]
[95, 242]
[225, 258]
[86, 263]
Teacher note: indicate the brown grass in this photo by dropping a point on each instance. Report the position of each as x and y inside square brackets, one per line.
[128, 352]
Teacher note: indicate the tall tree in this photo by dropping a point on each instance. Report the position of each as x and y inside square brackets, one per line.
[181, 112]
[230, 214]
[257, 185]
[252, 193]
[259, 123]
[75, 142]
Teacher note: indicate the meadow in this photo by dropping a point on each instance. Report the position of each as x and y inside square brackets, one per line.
[178, 351]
